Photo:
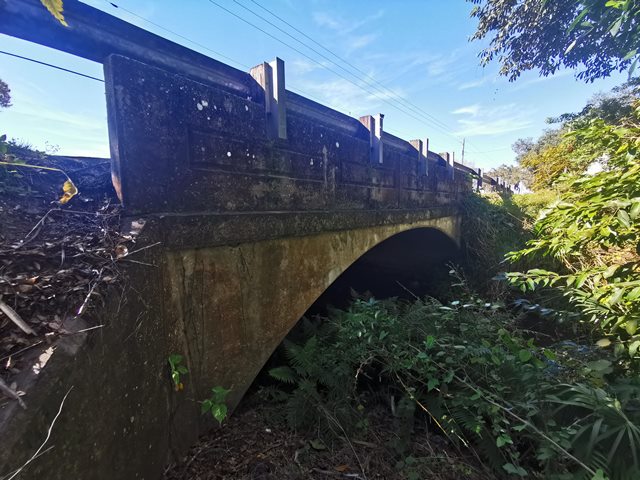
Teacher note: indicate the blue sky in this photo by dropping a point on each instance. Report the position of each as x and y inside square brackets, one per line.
[417, 49]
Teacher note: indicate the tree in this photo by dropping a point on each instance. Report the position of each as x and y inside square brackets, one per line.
[5, 95]
[599, 36]
[512, 174]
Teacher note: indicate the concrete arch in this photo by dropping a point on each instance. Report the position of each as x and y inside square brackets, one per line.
[231, 306]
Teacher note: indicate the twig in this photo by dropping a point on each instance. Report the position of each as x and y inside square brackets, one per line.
[86, 299]
[85, 330]
[35, 455]
[39, 455]
[408, 291]
[15, 318]
[141, 249]
[335, 420]
[527, 423]
[21, 350]
[8, 391]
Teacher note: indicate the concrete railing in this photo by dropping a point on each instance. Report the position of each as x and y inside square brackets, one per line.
[368, 154]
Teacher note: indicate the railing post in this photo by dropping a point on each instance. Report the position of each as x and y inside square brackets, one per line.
[374, 124]
[422, 146]
[279, 113]
[263, 75]
[450, 163]
[270, 76]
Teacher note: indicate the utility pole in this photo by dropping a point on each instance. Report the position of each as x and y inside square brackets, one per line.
[462, 159]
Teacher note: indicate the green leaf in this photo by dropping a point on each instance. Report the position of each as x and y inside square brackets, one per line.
[633, 348]
[503, 440]
[430, 341]
[603, 366]
[599, 475]
[633, 294]
[524, 355]
[577, 20]
[615, 296]
[219, 412]
[206, 406]
[220, 392]
[317, 444]
[624, 218]
[432, 383]
[512, 469]
[631, 327]
[615, 27]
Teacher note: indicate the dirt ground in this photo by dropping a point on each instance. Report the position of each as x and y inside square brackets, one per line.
[254, 444]
[56, 257]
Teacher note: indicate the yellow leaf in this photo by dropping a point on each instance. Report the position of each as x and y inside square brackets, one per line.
[69, 190]
[55, 8]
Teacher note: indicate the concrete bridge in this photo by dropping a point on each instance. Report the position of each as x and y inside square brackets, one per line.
[258, 200]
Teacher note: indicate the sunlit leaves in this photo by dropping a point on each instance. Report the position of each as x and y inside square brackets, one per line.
[598, 38]
[593, 231]
[56, 9]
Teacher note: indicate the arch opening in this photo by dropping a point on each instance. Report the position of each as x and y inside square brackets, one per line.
[409, 264]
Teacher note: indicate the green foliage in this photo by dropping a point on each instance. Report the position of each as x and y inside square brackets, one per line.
[469, 371]
[558, 153]
[5, 96]
[216, 404]
[493, 224]
[177, 370]
[512, 174]
[592, 230]
[598, 36]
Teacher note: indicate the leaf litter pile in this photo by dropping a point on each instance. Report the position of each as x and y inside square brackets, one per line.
[59, 250]
[255, 444]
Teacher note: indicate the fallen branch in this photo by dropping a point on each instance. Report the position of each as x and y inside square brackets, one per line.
[15, 318]
[11, 393]
[35, 455]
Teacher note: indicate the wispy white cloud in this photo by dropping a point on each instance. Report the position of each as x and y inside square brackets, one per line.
[476, 83]
[360, 41]
[346, 97]
[78, 133]
[478, 120]
[470, 109]
[341, 25]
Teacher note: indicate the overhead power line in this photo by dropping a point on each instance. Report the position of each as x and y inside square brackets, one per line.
[51, 66]
[151, 22]
[399, 108]
[346, 62]
[373, 84]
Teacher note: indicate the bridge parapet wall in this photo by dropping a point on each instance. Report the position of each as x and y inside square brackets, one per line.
[181, 146]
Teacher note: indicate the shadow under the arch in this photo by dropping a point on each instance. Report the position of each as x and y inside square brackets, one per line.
[410, 264]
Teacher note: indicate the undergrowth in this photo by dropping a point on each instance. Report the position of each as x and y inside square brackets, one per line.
[562, 411]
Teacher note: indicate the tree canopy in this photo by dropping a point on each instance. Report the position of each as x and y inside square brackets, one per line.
[5, 95]
[598, 37]
[557, 152]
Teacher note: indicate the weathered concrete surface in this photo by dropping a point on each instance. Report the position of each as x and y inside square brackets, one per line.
[235, 304]
[225, 308]
[254, 224]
